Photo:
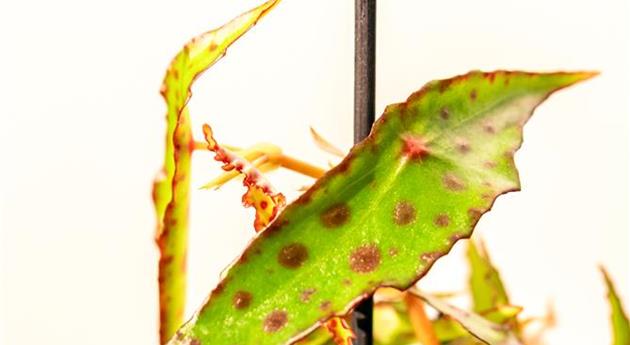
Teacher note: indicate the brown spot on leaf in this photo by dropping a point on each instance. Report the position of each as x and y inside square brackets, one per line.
[490, 164]
[275, 321]
[243, 259]
[325, 305]
[490, 77]
[404, 213]
[220, 287]
[489, 128]
[307, 294]
[442, 220]
[293, 255]
[444, 113]
[166, 259]
[414, 147]
[473, 95]
[179, 335]
[462, 146]
[365, 259]
[241, 299]
[335, 216]
[474, 214]
[346, 282]
[344, 166]
[453, 182]
[195, 341]
[306, 197]
[445, 84]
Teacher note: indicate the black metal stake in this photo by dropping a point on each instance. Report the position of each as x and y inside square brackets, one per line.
[364, 95]
[364, 67]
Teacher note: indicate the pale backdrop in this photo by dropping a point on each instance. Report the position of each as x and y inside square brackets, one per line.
[82, 136]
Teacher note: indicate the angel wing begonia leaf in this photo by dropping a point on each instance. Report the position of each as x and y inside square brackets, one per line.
[402, 197]
[619, 318]
[171, 187]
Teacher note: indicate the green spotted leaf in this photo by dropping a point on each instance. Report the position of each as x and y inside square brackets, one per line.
[619, 318]
[401, 198]
[171, 187]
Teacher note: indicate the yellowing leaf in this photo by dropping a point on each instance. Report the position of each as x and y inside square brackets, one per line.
[171, 187]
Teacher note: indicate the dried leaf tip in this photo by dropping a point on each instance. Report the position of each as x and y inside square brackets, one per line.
[325, 145]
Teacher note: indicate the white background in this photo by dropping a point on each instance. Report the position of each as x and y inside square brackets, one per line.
[82, 137]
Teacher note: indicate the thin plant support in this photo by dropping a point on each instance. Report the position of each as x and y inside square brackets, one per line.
[364, 95]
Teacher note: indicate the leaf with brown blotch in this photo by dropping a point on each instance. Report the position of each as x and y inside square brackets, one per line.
[430, 168]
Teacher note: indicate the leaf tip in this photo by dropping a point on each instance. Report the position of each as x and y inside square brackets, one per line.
[584, 75]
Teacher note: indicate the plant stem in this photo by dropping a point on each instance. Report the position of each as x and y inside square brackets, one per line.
[300, 166]
[420, 321]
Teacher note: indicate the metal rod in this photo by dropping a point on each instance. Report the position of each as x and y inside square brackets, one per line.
[364, 67]
[364, 95]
